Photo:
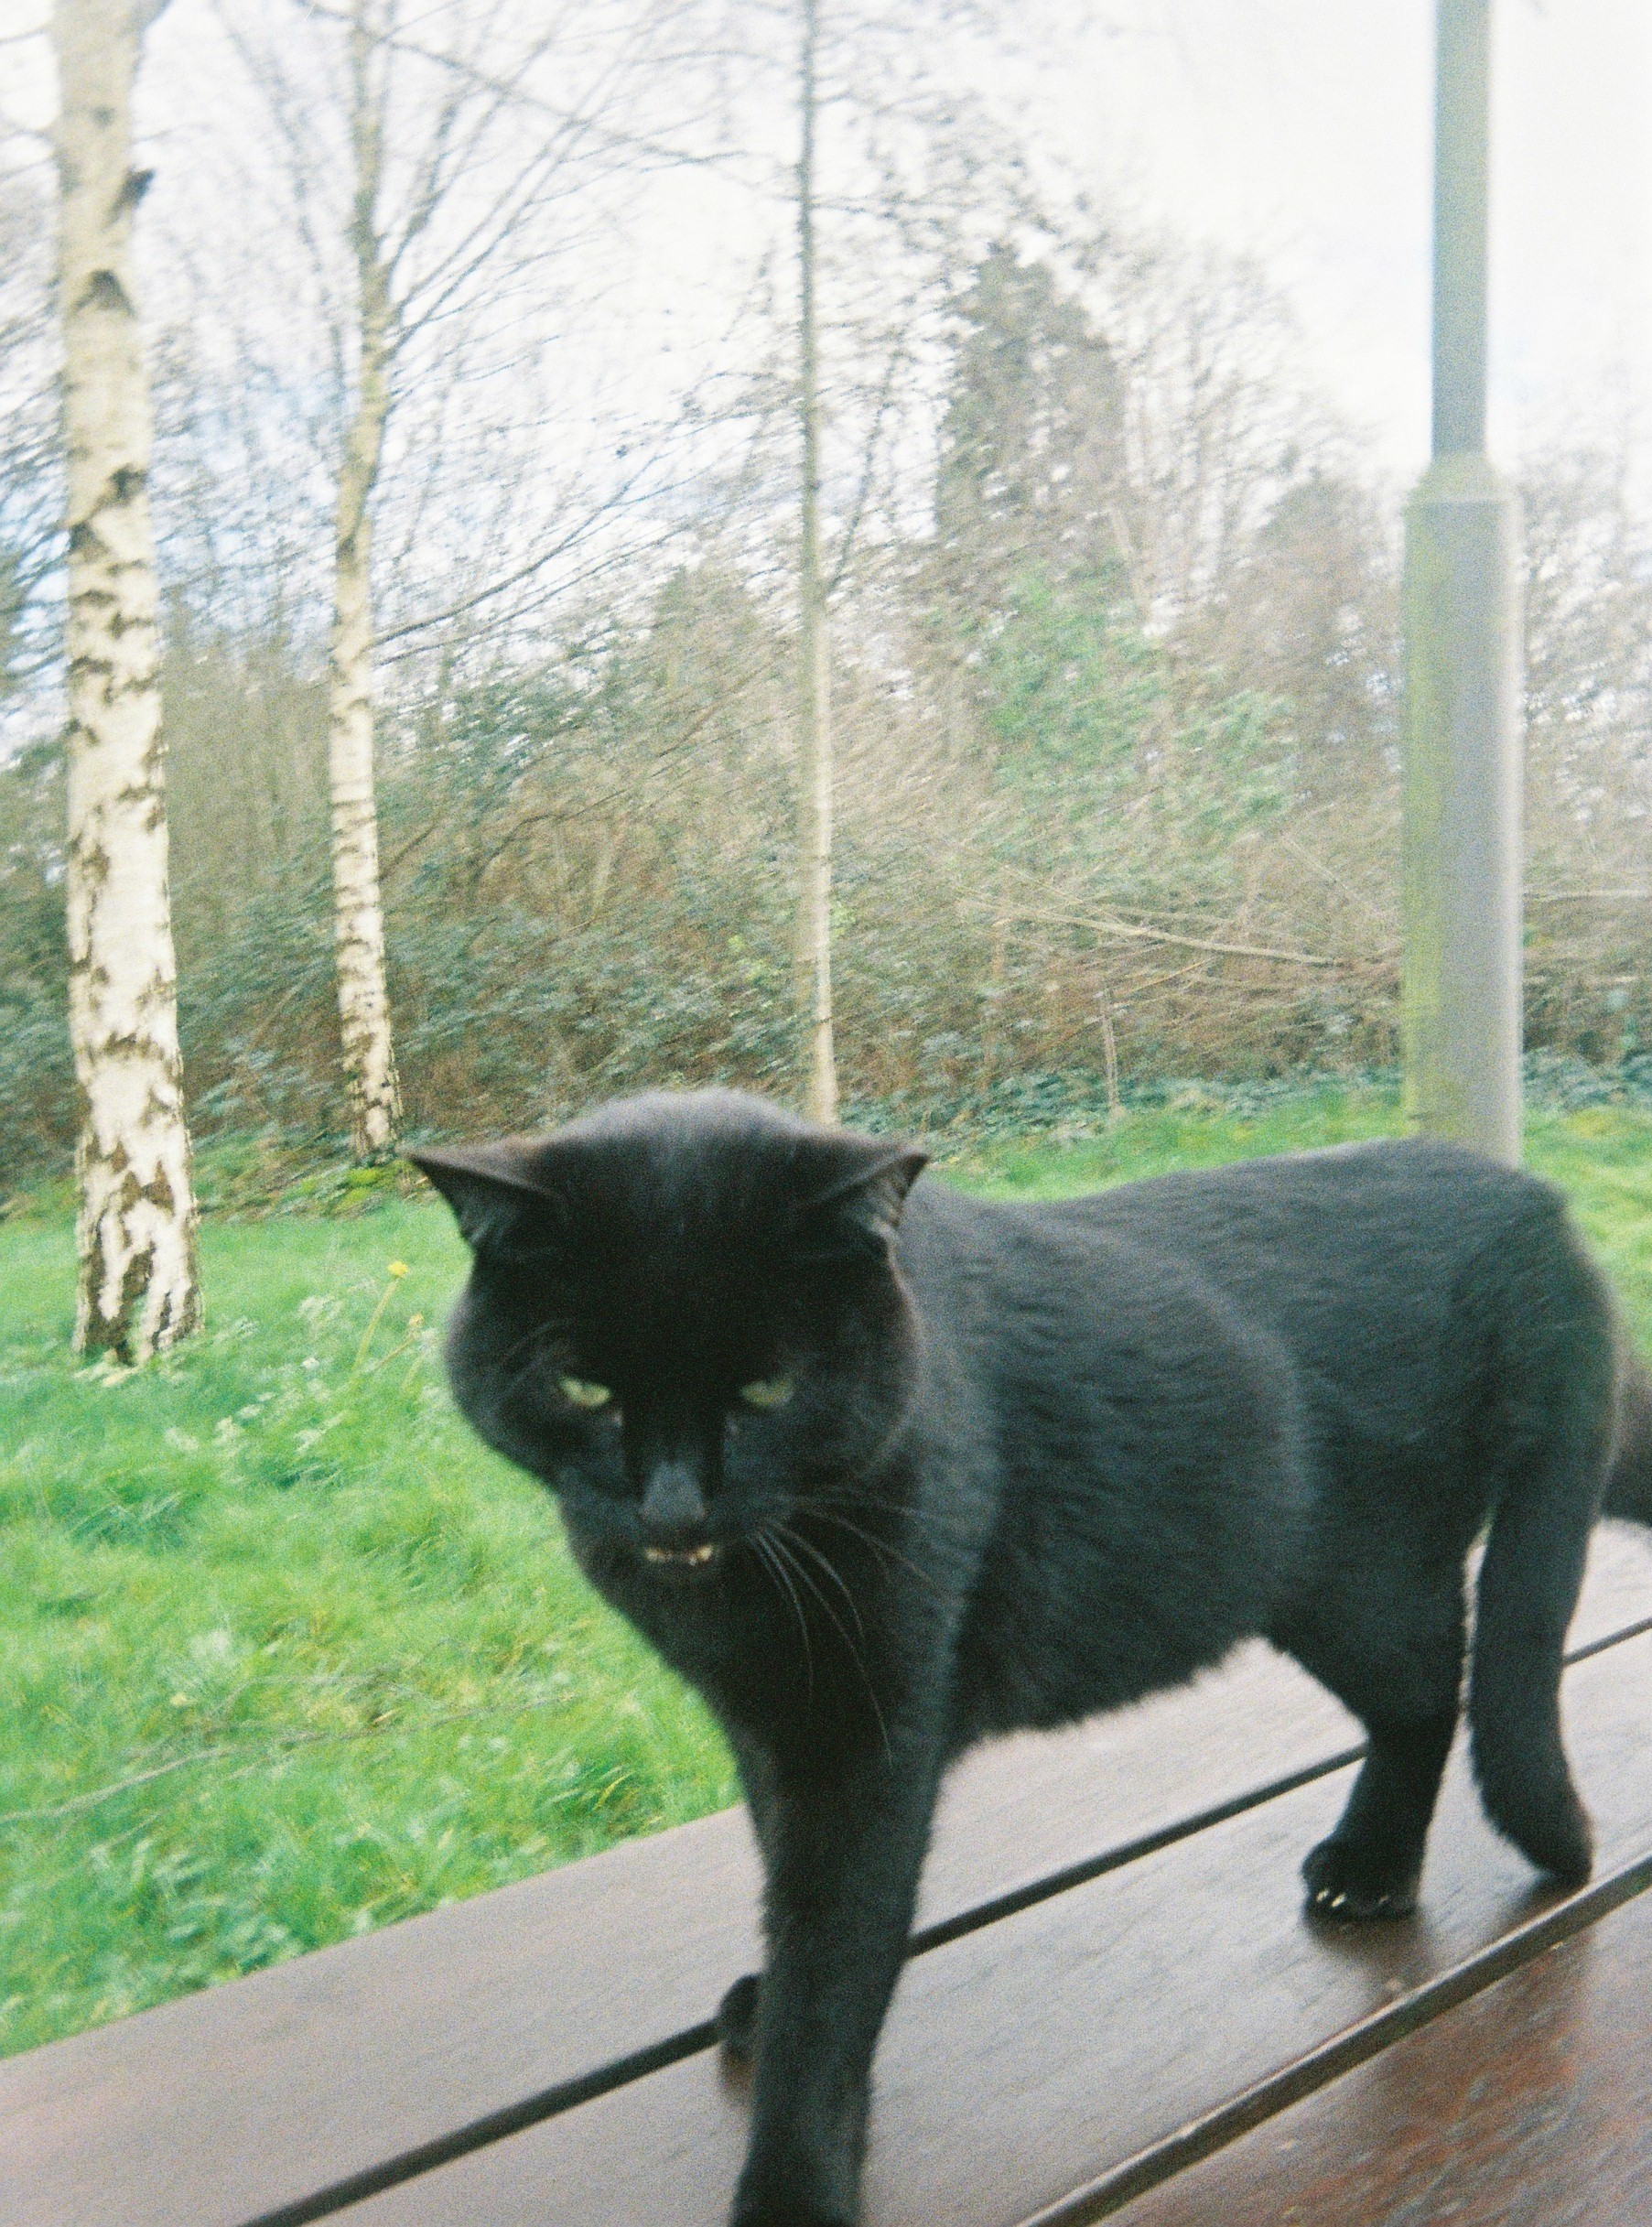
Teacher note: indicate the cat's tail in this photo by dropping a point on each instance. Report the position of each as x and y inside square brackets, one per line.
[1560, 1415]
[1629, 1480]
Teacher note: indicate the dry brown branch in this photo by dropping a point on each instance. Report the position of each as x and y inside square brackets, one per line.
[1099, 926]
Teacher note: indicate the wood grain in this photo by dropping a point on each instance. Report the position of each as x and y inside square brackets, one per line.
[1023, 2060]
[1530, 2106]
[254, 2100]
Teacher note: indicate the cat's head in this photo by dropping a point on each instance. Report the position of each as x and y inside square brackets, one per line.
[684, 1315]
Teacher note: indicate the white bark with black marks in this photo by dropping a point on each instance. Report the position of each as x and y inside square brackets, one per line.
[138, 1291]
[358, 908]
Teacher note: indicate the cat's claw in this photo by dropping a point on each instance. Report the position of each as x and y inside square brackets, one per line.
[1345, 1883]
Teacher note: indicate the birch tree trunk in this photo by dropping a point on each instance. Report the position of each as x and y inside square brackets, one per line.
[358, 911]
[813, 679]
[137, 1286]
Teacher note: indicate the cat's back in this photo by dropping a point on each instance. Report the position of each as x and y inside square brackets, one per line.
[1035, 1294]
[1357, 1256]
[1412, 1208]
[1364, 1262]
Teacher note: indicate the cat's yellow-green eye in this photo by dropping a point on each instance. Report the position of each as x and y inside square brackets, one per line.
[767, 1393]
[583, 1395]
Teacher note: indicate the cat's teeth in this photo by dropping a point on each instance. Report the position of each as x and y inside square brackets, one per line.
[692, 1558]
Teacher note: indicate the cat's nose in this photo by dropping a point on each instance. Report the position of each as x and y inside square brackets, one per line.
[674, 1506]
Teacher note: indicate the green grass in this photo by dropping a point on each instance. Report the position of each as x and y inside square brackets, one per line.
[279, 1566]
[1194, 1131]
[284, 1654]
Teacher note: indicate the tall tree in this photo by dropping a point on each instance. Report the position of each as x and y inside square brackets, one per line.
[913, 168]
[358, 906]
[1030, 460]
[436, 157]
[138, 1289]
[815, 674]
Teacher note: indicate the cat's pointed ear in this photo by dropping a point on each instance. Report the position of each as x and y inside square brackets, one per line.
[499, 1194]
[850, 1193]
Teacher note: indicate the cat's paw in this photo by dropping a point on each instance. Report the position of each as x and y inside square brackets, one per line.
[737, 2016]
[1547, 1823]
[1346, 1880]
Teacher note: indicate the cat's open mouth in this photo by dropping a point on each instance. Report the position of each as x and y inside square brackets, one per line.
[682, 1558]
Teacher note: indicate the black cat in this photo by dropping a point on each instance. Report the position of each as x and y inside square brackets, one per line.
[878, 1483]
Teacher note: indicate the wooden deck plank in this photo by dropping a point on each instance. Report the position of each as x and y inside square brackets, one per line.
[230, 2105]
[1617, 1585]
[1024, 2060]
[1529, 2106]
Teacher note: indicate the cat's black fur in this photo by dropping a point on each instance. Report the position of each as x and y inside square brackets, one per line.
[1038, 1461]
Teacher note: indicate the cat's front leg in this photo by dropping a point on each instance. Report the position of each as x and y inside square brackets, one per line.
[736, 2012]
[842, 1849]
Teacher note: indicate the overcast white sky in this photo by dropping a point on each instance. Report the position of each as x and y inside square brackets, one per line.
[1301, 131]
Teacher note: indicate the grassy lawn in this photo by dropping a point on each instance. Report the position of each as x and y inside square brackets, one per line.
[285, 1655]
